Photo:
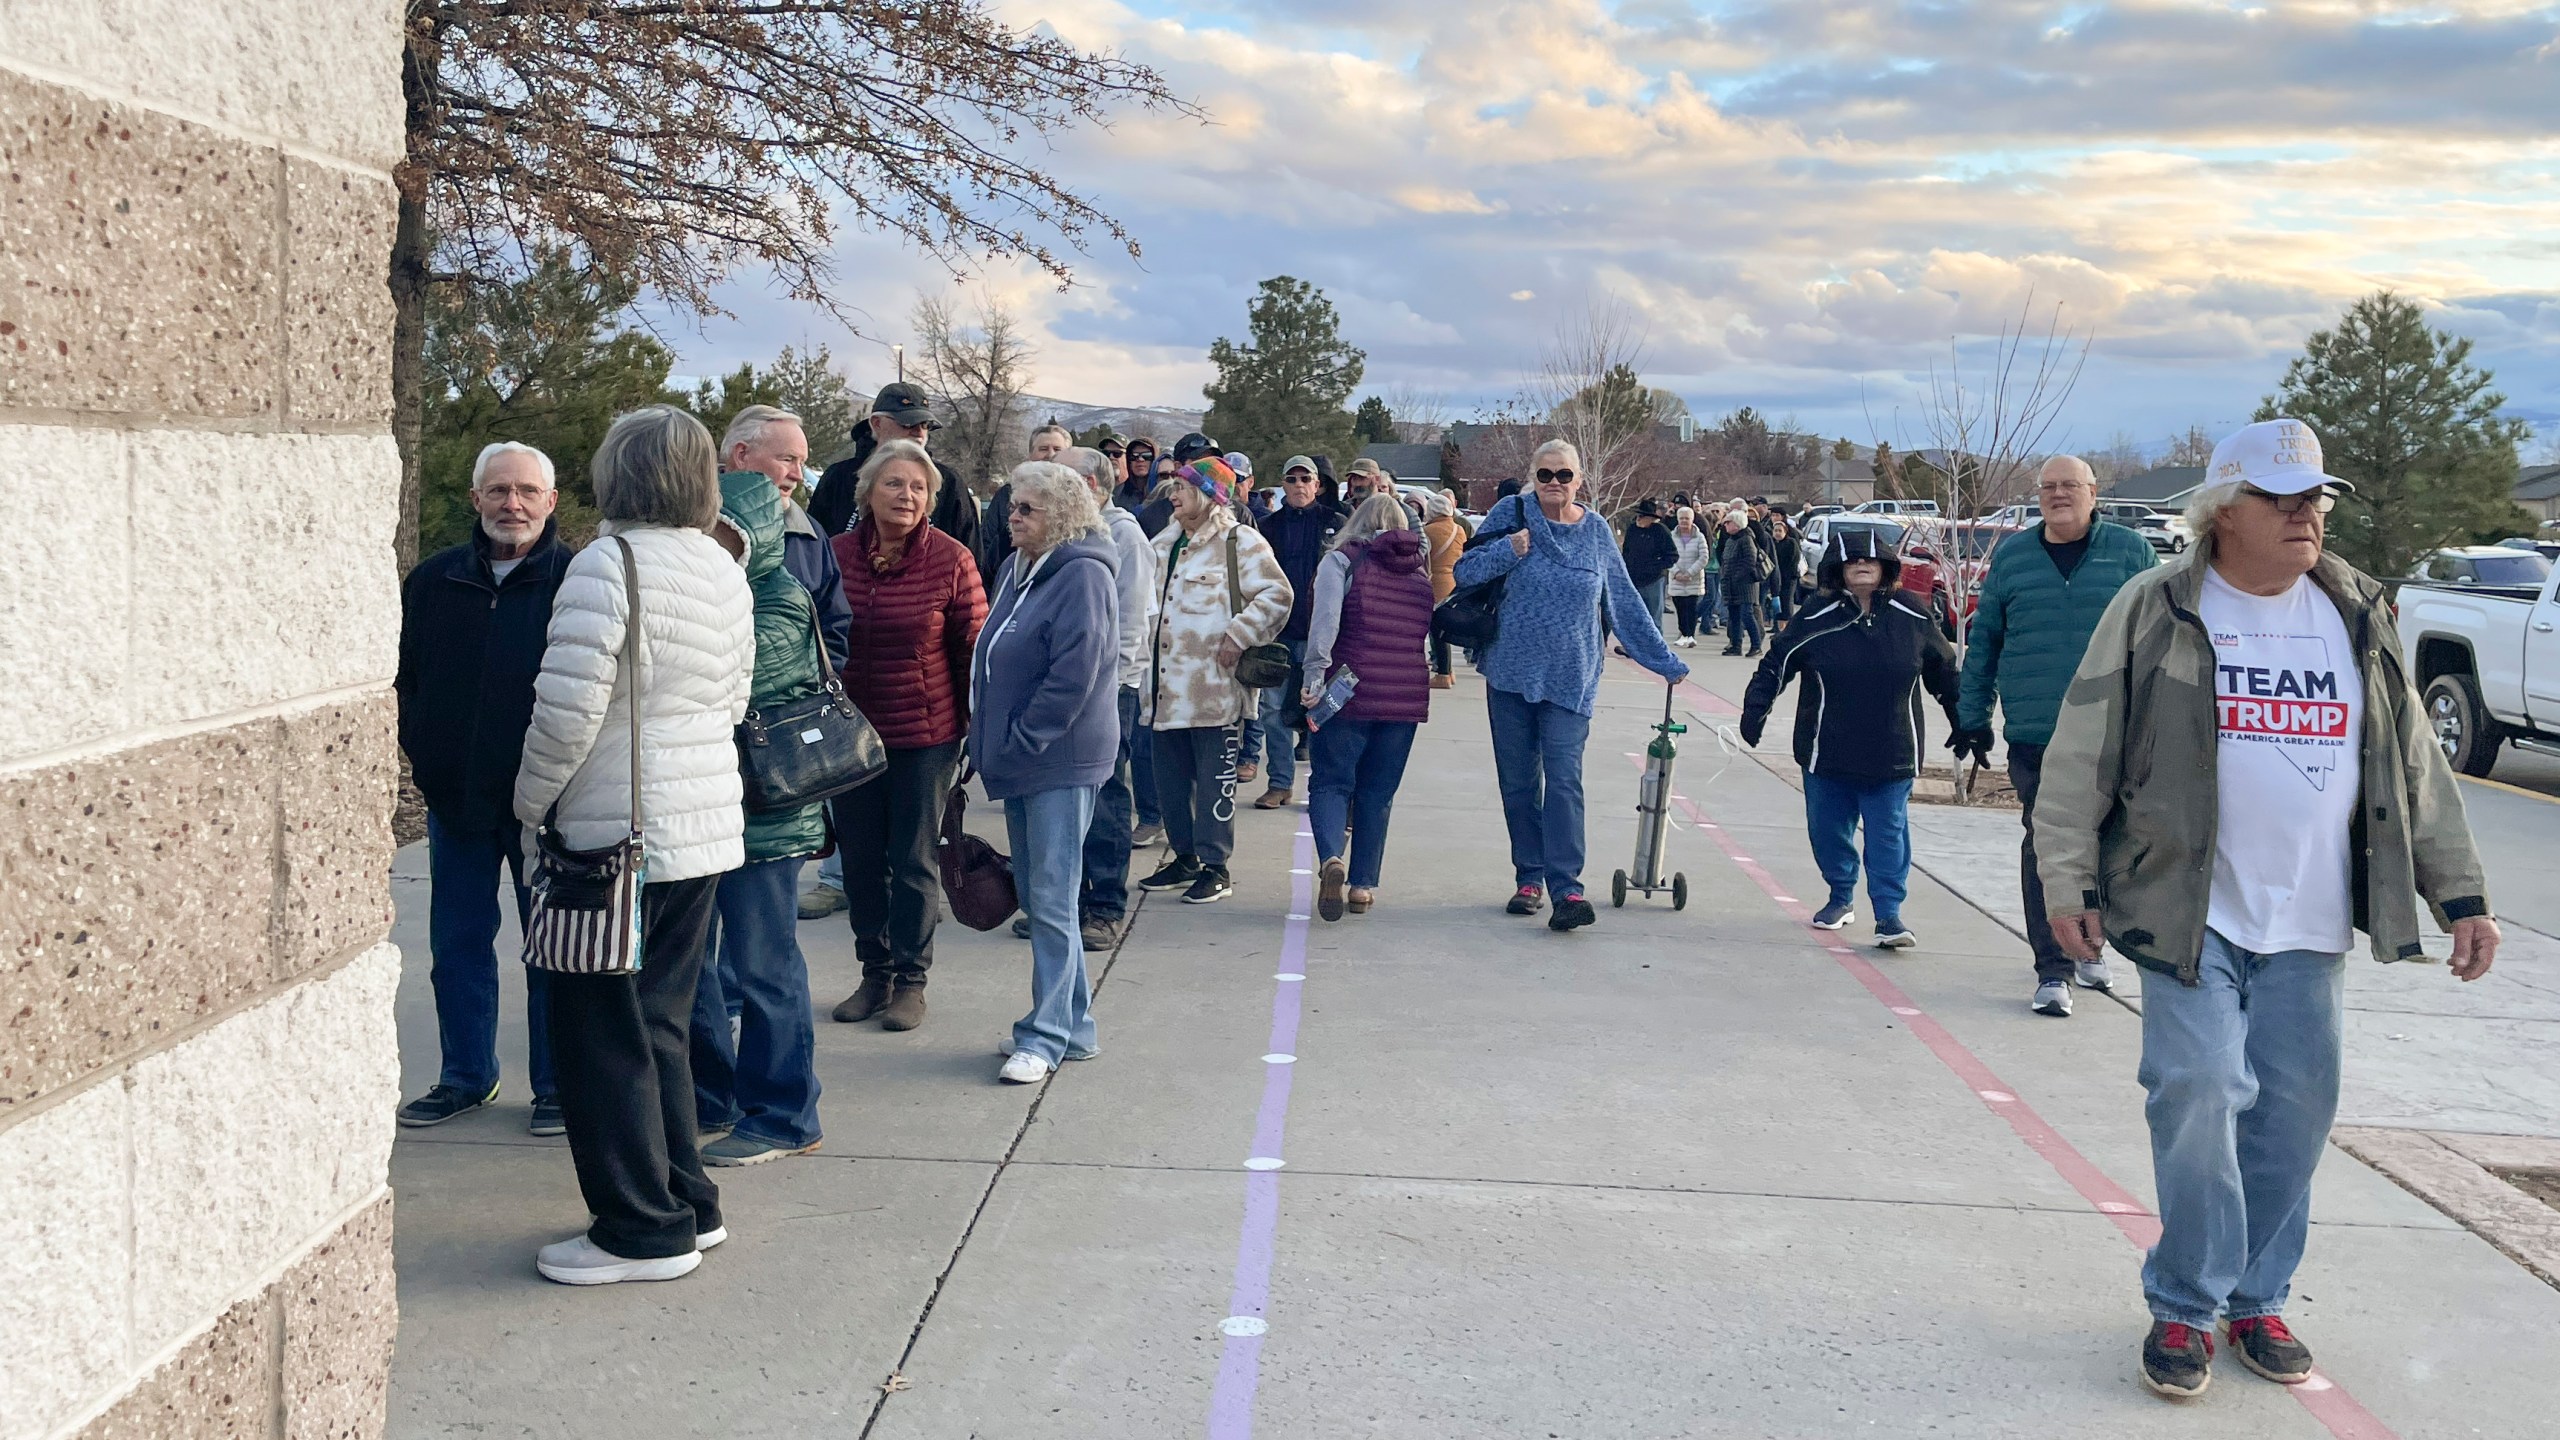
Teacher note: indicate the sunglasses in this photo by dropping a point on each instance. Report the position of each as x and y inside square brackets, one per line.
[1113, 451]
[2321, 501]
[1025, 507]
[1555, 477]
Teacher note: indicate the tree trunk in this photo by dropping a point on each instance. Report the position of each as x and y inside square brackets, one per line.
[409, 302]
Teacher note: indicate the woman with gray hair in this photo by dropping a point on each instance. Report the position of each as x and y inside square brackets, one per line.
[1046, 734]
[1542, 672]
[618, 1042]
[1369, 635]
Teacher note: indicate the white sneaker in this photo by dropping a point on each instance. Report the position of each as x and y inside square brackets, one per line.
[580, 1261]
[1005, 1047]
[709, 1239]
[2052, 998]
[1023, 1068]
[2092, 974]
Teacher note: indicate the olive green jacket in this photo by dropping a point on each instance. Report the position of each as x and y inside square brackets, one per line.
[2126, 815]
[786, 666]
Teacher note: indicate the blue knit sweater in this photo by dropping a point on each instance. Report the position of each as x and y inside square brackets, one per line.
[1549, 648]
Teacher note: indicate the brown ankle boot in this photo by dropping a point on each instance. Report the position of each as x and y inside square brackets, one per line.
[864, 1003]
[905, 1010]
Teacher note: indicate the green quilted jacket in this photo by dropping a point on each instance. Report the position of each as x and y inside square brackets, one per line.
[786, 650]
[2027, 635]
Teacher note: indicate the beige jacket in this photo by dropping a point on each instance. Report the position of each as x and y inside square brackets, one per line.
[1186, 686]
[2126, 812]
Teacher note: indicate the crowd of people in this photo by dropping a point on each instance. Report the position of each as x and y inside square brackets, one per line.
[1122, 643]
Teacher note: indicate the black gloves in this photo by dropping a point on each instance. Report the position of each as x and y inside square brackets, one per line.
[1975, 742]
[1751, 727]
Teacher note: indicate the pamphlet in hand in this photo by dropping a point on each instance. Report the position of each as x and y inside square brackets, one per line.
[1335, 696]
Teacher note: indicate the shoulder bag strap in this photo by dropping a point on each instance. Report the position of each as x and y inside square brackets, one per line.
[1235, 592]
[631, 666]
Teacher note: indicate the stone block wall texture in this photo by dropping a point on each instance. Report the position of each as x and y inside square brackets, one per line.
[197, 1061]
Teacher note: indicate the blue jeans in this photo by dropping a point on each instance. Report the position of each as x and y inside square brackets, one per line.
[1741, 610]
[1106, 841]
[2241, 1070]
[1537, 760]
[1833, 811]
[1046, 829]
[1652, 595]
[1142, 774]
[462, 936]
[765, 1085]
[1277, 742]
[1711, 604]
[1357, 766]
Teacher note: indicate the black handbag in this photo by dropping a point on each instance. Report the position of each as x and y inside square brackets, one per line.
[809, 749]
[1471, 617]
[1265, 666]
[977, 878]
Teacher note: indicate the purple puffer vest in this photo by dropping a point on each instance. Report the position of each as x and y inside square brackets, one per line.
[1386, 621]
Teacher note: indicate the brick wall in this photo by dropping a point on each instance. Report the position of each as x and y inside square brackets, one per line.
[198, 613]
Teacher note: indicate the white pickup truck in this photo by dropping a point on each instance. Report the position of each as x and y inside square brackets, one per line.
[2487, 658]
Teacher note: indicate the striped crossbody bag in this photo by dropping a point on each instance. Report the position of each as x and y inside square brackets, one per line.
[586, 903]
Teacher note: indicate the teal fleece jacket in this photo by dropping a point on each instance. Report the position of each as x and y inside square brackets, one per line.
[2032, 626]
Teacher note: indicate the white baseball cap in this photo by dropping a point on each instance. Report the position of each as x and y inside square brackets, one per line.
[2281, 457]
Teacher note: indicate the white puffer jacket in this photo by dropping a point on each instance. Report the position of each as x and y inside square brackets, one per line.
[697, 655]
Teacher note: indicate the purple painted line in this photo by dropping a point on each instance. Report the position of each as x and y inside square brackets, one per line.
[1240, 1363]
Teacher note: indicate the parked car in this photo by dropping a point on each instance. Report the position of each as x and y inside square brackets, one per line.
[1897, 507]
[1915, 538]
[1810, 511]
[2486, 657]
[2547, 549]
[2013, 516]
[2485, 565]
[2165, 529]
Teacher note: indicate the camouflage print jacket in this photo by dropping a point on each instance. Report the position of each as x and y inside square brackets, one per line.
[1186, 686]
[2126, 815]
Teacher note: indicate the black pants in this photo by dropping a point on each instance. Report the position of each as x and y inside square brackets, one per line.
[1442, 663]
[1196, 784]
[887, 831]
[1686, 607]
[2026, 772]
[619, 1047]
[1782, 597]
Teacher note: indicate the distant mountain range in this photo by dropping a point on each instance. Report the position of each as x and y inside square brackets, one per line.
[1160, 423]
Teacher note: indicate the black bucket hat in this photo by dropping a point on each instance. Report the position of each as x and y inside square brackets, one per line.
[1856, 542]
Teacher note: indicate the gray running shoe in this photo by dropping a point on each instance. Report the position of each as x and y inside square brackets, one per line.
[2092, 974]
[820, 901]
[2052, 998]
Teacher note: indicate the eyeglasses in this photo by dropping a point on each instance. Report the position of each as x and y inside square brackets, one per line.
[1555, 477]
[2321, 500]
[1025, 507]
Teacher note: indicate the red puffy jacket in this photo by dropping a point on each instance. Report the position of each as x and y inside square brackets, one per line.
[914, 627]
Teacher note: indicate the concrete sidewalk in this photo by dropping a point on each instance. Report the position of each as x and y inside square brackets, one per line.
[1682, 1174]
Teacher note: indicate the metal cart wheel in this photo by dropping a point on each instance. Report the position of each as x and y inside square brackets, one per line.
[1618, 889]
[1679, 892]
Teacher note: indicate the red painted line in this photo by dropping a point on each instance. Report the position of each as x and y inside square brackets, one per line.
[2325, 1398]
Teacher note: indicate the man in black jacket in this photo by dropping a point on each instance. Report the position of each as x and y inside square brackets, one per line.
[1649, 553]
[898, 412]
[473, 622]
[1301, 530]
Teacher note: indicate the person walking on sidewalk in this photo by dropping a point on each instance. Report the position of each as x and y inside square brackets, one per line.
[1220, 593]
[472, 626]
[2248, 702]
[1864, 654]
[1560, 565]
[1300, 531]
[1444, 539]
[1738, 557]
[1649, 553]
[1046, 736]
[1371, 630]
[2038, 605]
[1688, 581]
[916, 607]
[618, 1041]
[762, 1086]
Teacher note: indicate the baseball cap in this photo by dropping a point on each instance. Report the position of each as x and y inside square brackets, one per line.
[2281, 457]
[903, 403]
[1297, 462]
[1240, 463]
[1363, 466]
[1192, 446]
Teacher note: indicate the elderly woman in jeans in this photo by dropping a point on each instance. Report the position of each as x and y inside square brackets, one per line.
[1372, 620]
[618, 1042]
[1542, 673]
[1045, 734]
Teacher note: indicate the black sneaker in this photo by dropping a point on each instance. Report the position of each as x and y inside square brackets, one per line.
[2266, 1346]
[1021, 927]
[442, 1103]
[1212, 887]
[2177, 1360]
[1526, 900]
[1572, 913]
[1892, 934]
[1834, 915]
[1177, 874]
[546, 1116]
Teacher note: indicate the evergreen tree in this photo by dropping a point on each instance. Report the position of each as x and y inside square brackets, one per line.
[1888, 472]
[1282, 392]
[717, 402]
[2404, 416]
[542, 360]
[1375, 424]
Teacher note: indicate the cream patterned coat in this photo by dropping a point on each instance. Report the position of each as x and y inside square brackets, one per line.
[1186, 686]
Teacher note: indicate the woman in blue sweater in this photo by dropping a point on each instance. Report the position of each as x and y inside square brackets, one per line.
[1542, 672]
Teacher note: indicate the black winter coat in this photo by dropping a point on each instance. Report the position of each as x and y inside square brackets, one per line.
[1858, 715]
[1738, 555]
[1649, 552]
[470, 647]
[1299, 540]
[830, 502]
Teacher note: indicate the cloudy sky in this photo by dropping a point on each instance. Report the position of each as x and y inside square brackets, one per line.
[1806, 201]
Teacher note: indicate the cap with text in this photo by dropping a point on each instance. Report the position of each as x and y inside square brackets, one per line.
[2280, 457]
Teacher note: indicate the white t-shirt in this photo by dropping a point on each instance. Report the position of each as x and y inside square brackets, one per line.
[501, 569]
[2289, 708]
